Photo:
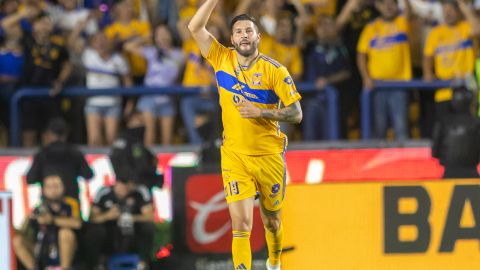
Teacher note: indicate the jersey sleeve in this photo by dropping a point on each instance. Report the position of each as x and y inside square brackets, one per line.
[216, 53]
[363, 45]
[284, 87]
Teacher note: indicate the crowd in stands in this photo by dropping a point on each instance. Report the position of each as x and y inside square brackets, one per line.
[346, 44]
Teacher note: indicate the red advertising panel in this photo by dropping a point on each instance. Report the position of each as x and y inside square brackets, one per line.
[362, 165]
[303, 166]
[209, 228]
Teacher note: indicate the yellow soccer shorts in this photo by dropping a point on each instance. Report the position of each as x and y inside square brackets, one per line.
[244, 175]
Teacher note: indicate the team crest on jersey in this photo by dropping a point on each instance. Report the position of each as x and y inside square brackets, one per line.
[257, 79]
[288, 80]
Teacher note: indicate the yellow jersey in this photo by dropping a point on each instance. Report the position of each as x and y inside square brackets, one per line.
[288, 55]
[388, 50]
[266, 84]
[453, 52]
[124, 32]
[197, 73]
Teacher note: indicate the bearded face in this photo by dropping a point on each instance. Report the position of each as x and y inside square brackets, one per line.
[245, 38]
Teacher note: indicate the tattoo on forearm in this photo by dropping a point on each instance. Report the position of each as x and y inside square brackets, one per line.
[288, 114]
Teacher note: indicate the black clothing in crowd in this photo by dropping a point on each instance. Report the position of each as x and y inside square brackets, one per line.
[456, 139]
[115, 236]
[60, 158]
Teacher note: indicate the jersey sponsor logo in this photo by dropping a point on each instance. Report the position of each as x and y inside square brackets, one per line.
[257, 79]
[236, 99]
[288, 80]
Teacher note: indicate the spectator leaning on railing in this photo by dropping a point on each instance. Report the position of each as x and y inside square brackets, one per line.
[46, 65]
[197, 73]
[164, 63]
[104, 69]
[449, 52]
[384, 54]
[326, 63]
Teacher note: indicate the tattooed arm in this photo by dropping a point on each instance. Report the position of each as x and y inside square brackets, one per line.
[291, 113]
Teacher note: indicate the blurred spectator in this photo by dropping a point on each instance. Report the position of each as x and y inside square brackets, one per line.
[47, 237]
[71, 14]
[353, 16]
[164, 62]
[449, 51]
[384, 54]
[11, 66]
[131, 159]
[12, 16]
[198, 73]
[59, 158]
[46, 65]
[125, 28]
[123, 223]
[105, 69]
[327, 63]
[167, 11]
[456, 137]
[285, 45]
[268, 19]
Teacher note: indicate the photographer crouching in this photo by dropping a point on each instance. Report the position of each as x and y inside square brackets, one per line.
[47, 239]
[122, 222]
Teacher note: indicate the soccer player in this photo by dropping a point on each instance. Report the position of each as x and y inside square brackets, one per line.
[251, 87]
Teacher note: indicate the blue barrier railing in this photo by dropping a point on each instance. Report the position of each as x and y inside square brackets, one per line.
[23, 93]
[366, 109]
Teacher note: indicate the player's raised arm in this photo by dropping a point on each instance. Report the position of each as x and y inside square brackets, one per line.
[197, 26]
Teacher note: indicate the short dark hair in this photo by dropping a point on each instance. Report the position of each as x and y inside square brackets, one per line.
[243, 17]
[58, 126]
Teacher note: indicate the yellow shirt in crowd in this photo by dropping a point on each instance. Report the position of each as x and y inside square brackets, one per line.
[453, 52]
[197, 71]
[127, 31]
[387, 47]
[288, 55]
[265, 83]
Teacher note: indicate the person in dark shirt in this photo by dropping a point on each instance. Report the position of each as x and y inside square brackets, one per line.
[122, 222]
[59, 157]
[47, 237]
[326, 63]
[456, 138]
[131, 159]
[46, 65]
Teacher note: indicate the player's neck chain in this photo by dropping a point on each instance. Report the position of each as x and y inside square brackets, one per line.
[245, 67]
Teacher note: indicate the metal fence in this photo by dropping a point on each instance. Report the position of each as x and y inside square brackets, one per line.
[28, 93]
